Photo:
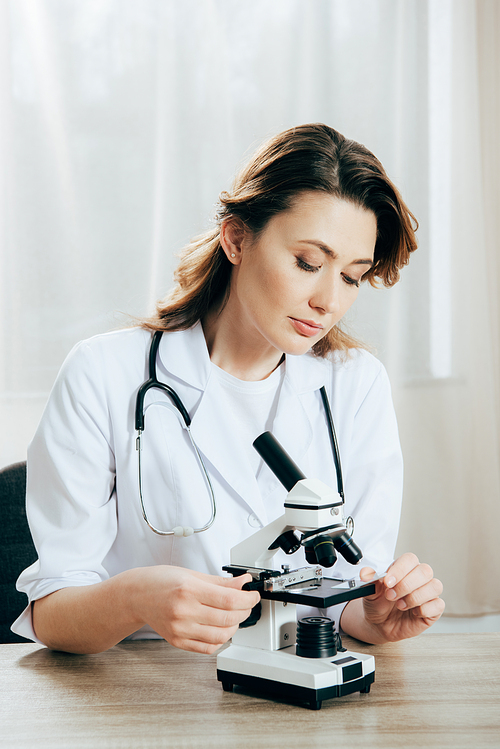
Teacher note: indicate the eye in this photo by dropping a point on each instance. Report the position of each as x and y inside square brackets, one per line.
[350, 281]
[305, 266]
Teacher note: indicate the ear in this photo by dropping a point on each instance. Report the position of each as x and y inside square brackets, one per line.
[232, 235]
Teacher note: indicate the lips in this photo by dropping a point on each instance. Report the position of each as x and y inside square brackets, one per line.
[306, 327]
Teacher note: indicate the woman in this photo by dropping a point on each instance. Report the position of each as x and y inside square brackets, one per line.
[250, 336]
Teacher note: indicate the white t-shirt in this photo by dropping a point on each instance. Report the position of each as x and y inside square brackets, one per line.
[252, 406]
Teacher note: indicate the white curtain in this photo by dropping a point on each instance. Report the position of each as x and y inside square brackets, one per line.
[122, 120]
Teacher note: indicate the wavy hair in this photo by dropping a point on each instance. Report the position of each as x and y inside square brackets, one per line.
[308, 158]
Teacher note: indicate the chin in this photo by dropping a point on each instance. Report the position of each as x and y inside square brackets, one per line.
[300, 347]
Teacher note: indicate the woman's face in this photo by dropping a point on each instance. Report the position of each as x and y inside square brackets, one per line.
[295, 281]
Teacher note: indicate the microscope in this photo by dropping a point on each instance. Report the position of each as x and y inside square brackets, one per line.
[271, 651]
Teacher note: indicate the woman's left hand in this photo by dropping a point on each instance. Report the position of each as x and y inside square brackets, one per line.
[406, 602]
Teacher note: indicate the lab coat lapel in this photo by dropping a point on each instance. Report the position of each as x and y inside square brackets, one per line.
[213, 431]
[292, 425]
[185, 364]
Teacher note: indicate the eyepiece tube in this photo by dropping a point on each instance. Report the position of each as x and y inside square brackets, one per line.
[278, 460]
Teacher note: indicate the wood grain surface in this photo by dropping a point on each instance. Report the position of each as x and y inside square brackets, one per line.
[437, 690]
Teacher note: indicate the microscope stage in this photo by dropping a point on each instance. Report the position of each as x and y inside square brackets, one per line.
[321, 592]
[329, 592]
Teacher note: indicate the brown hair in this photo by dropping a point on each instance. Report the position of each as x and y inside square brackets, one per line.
[305, 158]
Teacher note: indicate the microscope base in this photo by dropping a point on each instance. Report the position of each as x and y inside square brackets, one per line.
[284, 673]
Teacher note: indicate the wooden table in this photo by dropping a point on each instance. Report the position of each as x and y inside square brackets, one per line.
[437, 690]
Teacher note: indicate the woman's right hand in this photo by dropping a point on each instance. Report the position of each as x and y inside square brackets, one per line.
[191, 610]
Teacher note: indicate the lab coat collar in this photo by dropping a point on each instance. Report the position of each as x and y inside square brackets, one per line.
[306, 373]
[185, 356]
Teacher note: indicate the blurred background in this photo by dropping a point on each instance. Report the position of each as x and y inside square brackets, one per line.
[121, 121]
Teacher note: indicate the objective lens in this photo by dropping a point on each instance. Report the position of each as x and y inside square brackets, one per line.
[349, 550]
[324, 551]
[310, 554]
[288, 541]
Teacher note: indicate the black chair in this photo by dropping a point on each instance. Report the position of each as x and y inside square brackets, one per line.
[16, 547]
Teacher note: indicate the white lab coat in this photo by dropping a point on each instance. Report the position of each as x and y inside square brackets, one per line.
[82, 498]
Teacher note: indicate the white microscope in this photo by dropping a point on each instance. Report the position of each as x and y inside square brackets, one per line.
[271, 652]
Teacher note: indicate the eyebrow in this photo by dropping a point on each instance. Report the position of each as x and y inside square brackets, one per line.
[328, 251]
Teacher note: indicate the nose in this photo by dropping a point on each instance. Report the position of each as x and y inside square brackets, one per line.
[327, 296]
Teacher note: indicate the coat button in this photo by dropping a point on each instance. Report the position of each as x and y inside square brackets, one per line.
[254, 521]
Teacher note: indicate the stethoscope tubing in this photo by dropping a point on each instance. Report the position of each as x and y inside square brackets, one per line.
[140, 420]
[153, 382]
[178, 530]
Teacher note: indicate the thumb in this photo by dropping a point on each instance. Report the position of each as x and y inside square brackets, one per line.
[234, 582]
[366, 574]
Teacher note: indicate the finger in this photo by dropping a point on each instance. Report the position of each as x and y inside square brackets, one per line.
[212, 635]
[400, 569]
[430, 611]
[195, 646]
[366, 574]
[233, 582]
[428, 592]
[418, 577]
[204, 640]
[224, 581]
[203, 624]
[227, 598]
[221, 618]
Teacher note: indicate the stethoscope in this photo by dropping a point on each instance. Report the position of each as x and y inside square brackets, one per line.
[153, 382]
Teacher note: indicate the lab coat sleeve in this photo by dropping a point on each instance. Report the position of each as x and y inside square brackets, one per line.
[374, 475]
[70, 497]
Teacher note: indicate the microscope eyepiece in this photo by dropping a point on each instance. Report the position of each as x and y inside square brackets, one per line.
[278, 460]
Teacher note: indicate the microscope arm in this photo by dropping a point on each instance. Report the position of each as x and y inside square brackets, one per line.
[254, 551]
